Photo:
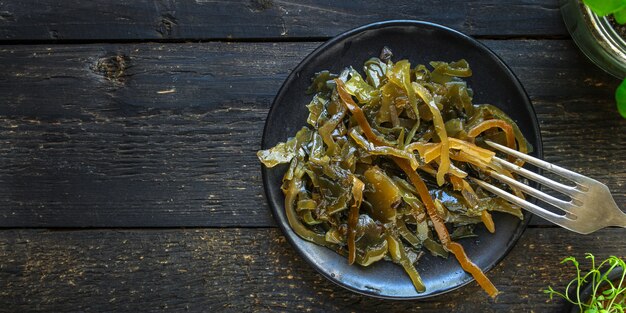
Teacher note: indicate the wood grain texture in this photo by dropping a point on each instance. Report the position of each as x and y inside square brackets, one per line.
[245, 19]
[164, 135]
[248, 270]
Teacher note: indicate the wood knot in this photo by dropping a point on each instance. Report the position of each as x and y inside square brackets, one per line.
[166, 25]
[113, 68]
[7, 16]
[260, 5]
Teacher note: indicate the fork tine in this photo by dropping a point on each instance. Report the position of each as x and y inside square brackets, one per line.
[552, 217]
[568, 190]
[558, 203]
[540, 163]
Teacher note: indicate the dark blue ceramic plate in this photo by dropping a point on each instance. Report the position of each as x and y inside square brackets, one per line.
[419, 42]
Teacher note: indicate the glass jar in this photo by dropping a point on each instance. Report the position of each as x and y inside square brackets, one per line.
[596, 37]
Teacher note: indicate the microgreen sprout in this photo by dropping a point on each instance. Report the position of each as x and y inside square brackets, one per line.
[607, 296]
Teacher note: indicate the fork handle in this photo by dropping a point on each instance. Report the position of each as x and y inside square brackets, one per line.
[621, 220]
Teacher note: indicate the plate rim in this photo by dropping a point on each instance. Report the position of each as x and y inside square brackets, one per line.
[294, 74]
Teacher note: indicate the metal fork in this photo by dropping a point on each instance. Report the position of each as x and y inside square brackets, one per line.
[591, 206]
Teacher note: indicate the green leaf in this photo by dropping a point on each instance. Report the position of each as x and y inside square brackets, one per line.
[605, 7]
[620, 16]
[607, 292]
[620, 98]
[571, 258]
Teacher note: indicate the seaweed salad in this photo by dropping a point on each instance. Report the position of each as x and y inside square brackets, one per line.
[383, 169]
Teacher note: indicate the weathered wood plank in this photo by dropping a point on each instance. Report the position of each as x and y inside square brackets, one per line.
[201, 20]
[165, 134]
[247, 270]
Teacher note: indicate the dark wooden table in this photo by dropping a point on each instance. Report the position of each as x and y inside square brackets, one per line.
[128, 131]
